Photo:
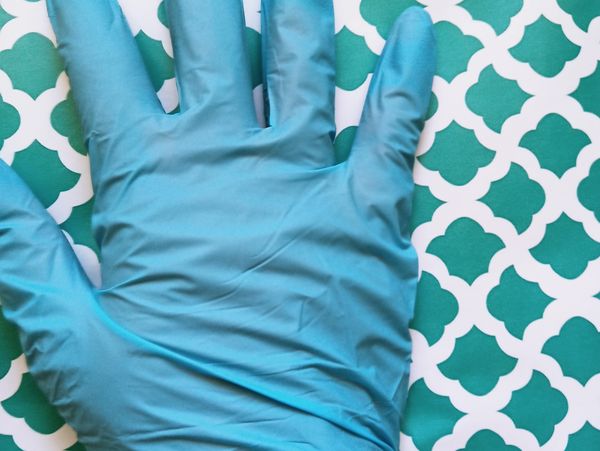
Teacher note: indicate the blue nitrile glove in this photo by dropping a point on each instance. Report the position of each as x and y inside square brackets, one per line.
[255, 295]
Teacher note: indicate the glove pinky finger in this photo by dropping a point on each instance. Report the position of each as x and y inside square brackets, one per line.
[382, 156]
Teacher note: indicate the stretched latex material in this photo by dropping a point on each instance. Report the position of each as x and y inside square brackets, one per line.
[254, 294]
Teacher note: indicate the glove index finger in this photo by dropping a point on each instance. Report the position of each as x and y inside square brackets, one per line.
[109, 81]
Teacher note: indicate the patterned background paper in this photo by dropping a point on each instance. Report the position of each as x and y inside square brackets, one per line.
[507, 209]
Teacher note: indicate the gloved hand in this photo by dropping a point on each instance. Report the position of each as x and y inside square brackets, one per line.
[255, 295]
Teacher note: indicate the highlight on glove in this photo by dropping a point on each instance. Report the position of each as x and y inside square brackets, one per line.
[255, 293]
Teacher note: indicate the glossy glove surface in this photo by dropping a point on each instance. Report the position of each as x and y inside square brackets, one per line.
[255, 295]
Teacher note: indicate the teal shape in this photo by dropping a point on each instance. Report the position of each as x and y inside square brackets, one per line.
[495, 98]
[587, 192]
[32, 64]
[424, 206]
[43, 171]
[433, 106]
[555, 143]
[343, 143]
[454, 49]
[10, 347]
[383, 13]
[8, 444]
[576, 348]
[354, 60]
[65, 120]
[491, 362]
[566, 247]
[77, 447]
[583, 12]
[160, 66]
[253, 42]
[434, 309]
[161, 13]
[4, 17]
[517, 302]
[588, 437]
[466, 249]
[545, 47]
[588, 92]
[29, 403]
[457, 155]
[428, 416]
[489, 441]
[537, 407]
[11, 120]
[516, 184]
[79, 226]
[496, 14]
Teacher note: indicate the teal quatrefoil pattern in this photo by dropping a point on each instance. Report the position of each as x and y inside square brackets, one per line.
[506, 332]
